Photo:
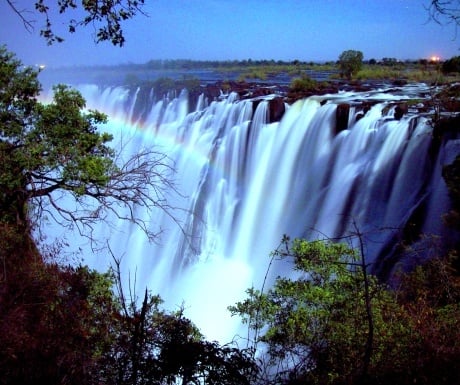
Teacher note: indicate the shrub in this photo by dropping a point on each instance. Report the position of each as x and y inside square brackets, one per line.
[302, 84]
[452, 65]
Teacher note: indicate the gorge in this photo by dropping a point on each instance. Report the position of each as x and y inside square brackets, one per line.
[245, 179]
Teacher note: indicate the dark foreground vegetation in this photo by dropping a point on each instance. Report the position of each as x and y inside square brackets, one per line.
[61, 324]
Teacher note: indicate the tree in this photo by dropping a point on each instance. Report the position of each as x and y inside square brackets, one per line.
[106, 16]
[56, 323]
[49, 151]
[315, 327]
[350, 62]
[153, 346]
[333, 324]
[150, 345]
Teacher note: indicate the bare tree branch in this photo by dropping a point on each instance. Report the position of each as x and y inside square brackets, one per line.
[445, 12]
[28, 24]
[143, 182]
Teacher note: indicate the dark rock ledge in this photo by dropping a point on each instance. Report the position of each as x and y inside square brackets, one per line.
[283, 94]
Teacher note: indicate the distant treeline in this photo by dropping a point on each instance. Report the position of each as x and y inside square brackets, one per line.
[189, 64]
[202, 64]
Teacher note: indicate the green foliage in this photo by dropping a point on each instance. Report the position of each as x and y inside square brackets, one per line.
[65, 143]
[430, 296]
[379, 72]
[302, 84]
[350, 62]
[254, 73]
[165, 85]
[398, 71]
[46, 147]
[315, 327]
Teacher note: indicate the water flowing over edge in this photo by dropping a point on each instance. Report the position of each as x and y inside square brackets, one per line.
[245, 181]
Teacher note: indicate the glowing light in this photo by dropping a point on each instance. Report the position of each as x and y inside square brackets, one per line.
[435, 58]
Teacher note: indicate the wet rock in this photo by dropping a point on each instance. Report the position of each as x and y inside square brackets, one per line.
[277, 109]
[447, 128]
[399, 82]
[452, 105]
[400, 110]
[213, 91]
[342, 113]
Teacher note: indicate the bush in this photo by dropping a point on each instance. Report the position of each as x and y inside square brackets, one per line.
[451, 66]
[303, 84]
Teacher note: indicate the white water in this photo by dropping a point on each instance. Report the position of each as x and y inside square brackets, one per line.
[246, 183]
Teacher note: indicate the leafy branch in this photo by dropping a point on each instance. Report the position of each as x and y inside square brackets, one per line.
[106, 17]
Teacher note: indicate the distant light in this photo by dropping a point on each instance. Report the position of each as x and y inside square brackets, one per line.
[41, 67]
[435, 58]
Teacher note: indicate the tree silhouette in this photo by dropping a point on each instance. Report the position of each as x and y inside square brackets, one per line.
[445, 11]
[106, 16]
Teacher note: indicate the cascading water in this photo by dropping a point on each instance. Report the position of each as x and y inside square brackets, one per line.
[245, 182]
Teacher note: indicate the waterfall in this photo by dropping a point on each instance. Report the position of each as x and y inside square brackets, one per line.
[246, 181]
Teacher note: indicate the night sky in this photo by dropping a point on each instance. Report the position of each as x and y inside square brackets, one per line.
[310, 30]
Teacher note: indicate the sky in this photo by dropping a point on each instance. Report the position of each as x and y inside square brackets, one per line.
[307, 30]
